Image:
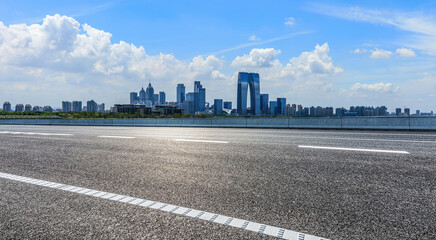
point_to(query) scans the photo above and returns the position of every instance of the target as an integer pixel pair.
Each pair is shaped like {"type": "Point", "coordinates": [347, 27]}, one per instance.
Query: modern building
{"type": "Point", "coordinates": [37, 109]}
{"type": "Point", "coordinates": [19, 108]}
{"type": "Point", "coordinates": [101, 108]}
{"type": "Point", "coordinates": [162, 98]}
{"type": "Point", "coordinates": [142, 96]}
{"type": "Point", "coordinates": [134, 99]}
{"type": "Point", "coordinates": [131, 108]}
{"type": "Point", "coordinates": [77, 106]}
{"type": "Point", "coordinates": [246, 80]}
{"type": "Point", "coordinates": [264, 98]}
{"type": "Point", "coordinates": [188, 107]}
{"type": "Point", "coordinates": [398, 111]}
{"type": "Point", "coordinates": [407, 111]}
{"type": "Point", "coordinates": [180, 93]}
{"type": "Point", "coordinates": [272, 107]}
{"type": "Point", "coordinates": [28, 108]}
{"type": "Point", "coordinates": [91, 106]}
{"type": "Point", "coordinates": [149, 96]}
{"type": "Point", "coordinates": [200, 102]}
{"type": "Point", "coordinates": [218, 106]}
{"type": "Point", "coordinates": [47, 109]}
{"type": "Point", "coordinates": [7, 106]}
{"type": "Point", "coordinates": [66, 106]}
{"type": "Point", "coordinates": [281, 106]}
{"type": "Point", "coordinates": [228, 105]}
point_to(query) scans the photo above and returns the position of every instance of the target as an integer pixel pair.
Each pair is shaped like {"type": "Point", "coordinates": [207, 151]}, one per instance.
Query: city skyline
{"type": "Point", "coordinates": [310, 54]}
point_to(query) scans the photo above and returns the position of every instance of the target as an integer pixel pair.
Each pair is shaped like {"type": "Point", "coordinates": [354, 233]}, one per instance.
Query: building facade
{"type": "Point", "coordinates": [181, 93]}
{"type": "Point", "coordinates": [91, 106]}
{"type": "Point", "coordinates": [66, 106]}
{"type": "Point", "coordinates": [245, 81]}
{"type": "Point", "coordinates": [77, 106]}
{"type": "Point", "coordinates": [7, 106]}
{"type": "Point", "coordinates": [218, 106]}
{"type": "Point", "coordinates": [162, 98]}
{"type": "Point", "coordinates": [281, 106]}
{"type": "Point", "coordinates": [264, 99]}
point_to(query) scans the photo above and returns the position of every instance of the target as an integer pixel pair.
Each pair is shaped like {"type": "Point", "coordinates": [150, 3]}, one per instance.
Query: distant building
{"type": "Point", "coordinates": [244, 81]}
{"type": "Point", "coordinates": [200, 101]}
{"type": "Point", "coordinates": [142, 96]}
{"type": "Point", "coordinates": [162, 98]}
{"type": "Point", "coordinates": [228, 105]}
{"type": "Point", "coordinates": [407, 111]}
{"type": "Point", "coordinates": [167, 110]}
{"type": "Point", "coordinates": [281, 106]}
{"type": "Point", "coordinates": [19, 108]}
{"type": "Point", "coordinates": [101, 108]}
{"type": "Point", "coordinates": [66, 106]}
{"type": "Point", "coordinates": [180, 93]}
{"type": "Point", "coordinates": [37, 109]}
{"type": "Point", "coordinates": [7, 106]}
{"type": "Point", "coordinates": [47, 109]}
{"type": "Point", "coordinates": [77, 106]}
{"type": "Point", "coordinates": [398, 111]}
{"type": "Point", "coordinates": [149, 96]}
{"type": "Point", "coordinates": [134, 99]}
{"type": "Point", "coordinates": [218, 106]}
{"type": "Point", "coordinates": [91, 106]}
{"type": "Point", "coordinates": [84, 109]}
{"type": "Point", "coordinates": [28, 108]}
{"type": "Point", "coordinates": [156, 99]}
{"type": "Point", "coordinates": [131, 108]}
{"type": "Point", "coordinates": [264, 99]}
{"type": "Point", "coordinates": [272, 108]}
{"type": "Point", "coordinates": [188, 107]}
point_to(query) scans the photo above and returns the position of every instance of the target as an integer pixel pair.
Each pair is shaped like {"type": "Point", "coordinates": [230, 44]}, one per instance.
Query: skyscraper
{"type": "Point", "coordinates": [272, 108]}
{"type": "Point", "coordinates": [228, 105]}
{"type": "Point", "coordinates": [180, 93]}
{"type": "Point", "coordinates": [91, 106]}
{"type": "Point", "coordinates": [162, 97]}
{"type": "Point", "coordinates": [264, 99]}
{"type": "Point", "coordinates": [66, 106]}
{"type": "Point", "coordinates": [246, 80]}
{"type": "Point", "coordinates": [101, 108]}
{"type": "Point", "coordinates": [19, 108]}
{"type": "Point", "coordinates": [218, 106]}
{"type": "Point", "coordinates": [149, 96]}
{"type": "Point", "coordinates": [7, 106]}
{"type": "Point", "coordinates": [142, 97]}
{"type": "Point", "coordinates": [77, 106]}
{"type": "Point", "coordinates": [134, 98]}
{"type": "Point", "coordinates": [281, 106]}
{"type": "Point", "coordinates": [200, 102]}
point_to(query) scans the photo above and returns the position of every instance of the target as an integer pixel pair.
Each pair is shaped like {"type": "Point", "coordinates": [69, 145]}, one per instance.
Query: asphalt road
{"type": "Point", "coordinates": [276, 177]}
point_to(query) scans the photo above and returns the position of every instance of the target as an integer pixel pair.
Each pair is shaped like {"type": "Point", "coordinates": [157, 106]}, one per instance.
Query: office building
{"type": "Point", "coordinates": [228, 105]}
{"type": "Point", "coordinates": [398, 111]}
{"type": "Point", "coordinates": [47, 109]}
{"type": "Point", "coordinates": [134, 98]}
{"type": "Point", "coordinates": [200, 102]}
{"type": "Point", "coordinates": [142, 96]}
{"type": "Point", "coordinates": [281, 106]}
{"type": "Point", "coordinates": [162, 98]}
{"type": "Point", "coordinates": [28, 108]}
{"type": "Point", "coordinates": [7, 106]}
{"type": "Point", "coordinates": [37, 109]}
{"type": "Point", "coordinates": [91, 106]}
{"type": "Point", "coordinates": [180, 93]}
{"type": "Point", "coordinates": [407, 111]}
{"type": "Point", "coordinates": [155, 99]}
{"type": "Point", "coordinates": [272, 107]}
{"type": "Point", "coordinates": [101, 108]}
{"type": "Point", "coordinates": [264, 98]}
{"type": "Point", "coordinates": [66, 106]}
{"type": "Point", "coordinates": [149, 96]}
{"type": "Point", "coordinates": [218, 106]}
{"type": "Point", "coordinates": [246, 80]}
{"type": "Point", "coordinates": [77, 106]}
{"type": "Point", "coordinates": [19, 108]}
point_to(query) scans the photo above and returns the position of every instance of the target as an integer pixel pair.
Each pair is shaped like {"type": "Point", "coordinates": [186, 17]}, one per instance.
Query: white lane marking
{"type": "Point", "coordinates": [354, 149]}
{"type": "Point", "coordinates": [124, 137]}
{"type": "Point", "coordinates": [195, 140]}
{"type": "Point", "coordinates": [36, 133]}
{"type": "Point", "coordinates": [207, 216]}
{"type": "Point", "coordinates": [369, 139]}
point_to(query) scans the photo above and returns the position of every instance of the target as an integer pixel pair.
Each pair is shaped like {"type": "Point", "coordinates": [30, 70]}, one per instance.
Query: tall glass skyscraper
{"type": "Point", "coordinates": [162, 97]}
{"type": "Point", "coordinates": [200, 101]}
{"type": "Point", "coordinates": [133, 98]}
{"type": "Point", "coordinates": [281, 106]}
{"type": "Point", "coordinates": [245, 80]}
{"type": "Point", "coordinates": [180, 93]}
{"type": "Point", "coordinates": [149, 95]}
{"type": "Point", "coordinates": [142, 96]}
{"type": "Point", "coordinates": [264, 99]}
{"type": "Point", "coordinates": [218, 106]}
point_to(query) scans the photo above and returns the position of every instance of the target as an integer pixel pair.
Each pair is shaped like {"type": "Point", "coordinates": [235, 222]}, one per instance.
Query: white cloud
{"type": "Point", "coordinates": [290, 21]}
{"type": "Point", "coordinates": [254, 38]}
{"type": "Point", "coordinates": [358, 50]}
{"type": "Point", "coordinates": [380, 53]}
{"type": "Point", "coordinates": [405, 52]}
{"type": "Point", "coordinates": [376, 87]}
{"type": "Point", "coordinates": [318, 61]}
{"type": "Point", "coordinates": [258, 57]}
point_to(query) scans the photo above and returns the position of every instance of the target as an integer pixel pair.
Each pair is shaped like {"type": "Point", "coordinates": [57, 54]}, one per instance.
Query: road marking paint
{"type": "Point", "coordinates": [123, 137]}
{"type": "Point", "coordinates": [370, 139]}
{"type": "Point", "coordinates": [36, 133]}
{"type": "Point", "coordinates": [195, 140]}
{"type": "Point", "coordinates": [354, 149]}
{"type": "Point", "coordinates": [207, 216]}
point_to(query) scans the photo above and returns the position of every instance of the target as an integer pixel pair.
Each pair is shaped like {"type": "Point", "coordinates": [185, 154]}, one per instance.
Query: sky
{"type": "Point", "coordinates": [314, 53]}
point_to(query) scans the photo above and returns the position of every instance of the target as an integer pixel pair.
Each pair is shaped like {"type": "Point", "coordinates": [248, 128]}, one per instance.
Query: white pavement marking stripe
{"type": "Point", "coordinates": [34, 133]}
{"type": "Point", "coordinates": [354, 149]}
{"type": "Point", "coordinates": [125, 137]}
{"type": "Point", "coordinates": [204, 141]}
{"type": "Point", "coordinates": [212, 217]}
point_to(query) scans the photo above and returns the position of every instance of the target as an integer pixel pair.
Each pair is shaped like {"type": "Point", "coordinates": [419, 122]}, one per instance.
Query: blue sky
{"type": "Point", "coordinates": [369, 53]}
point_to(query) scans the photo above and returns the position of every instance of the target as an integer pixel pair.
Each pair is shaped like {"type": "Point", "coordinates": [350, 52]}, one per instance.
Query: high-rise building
{"type": "Point", "coordinates": [156, 99]}
{"type": "Point", "coordinates": [149, 96]}
{"type": "Point", "coordinates": [281, 106]}
{"type": "Point", "coordinates": [28, 108]}
{"type": "Point", "coordinates": [398, 111]}
{"type": "Point", "coordinates": [218, 106]}
{"type": "Point", "coordinates": [37, 108]}
{"type": "Point", "coordinates": [246, 80]}
{"type": "Point", "coordinates": [272, 108]}
{"type": "Point", "coordinates": [19, 108]}
{"type": "Point", "coordinates": [201, 98]}
{"type": "Point", "coordinates": [162, 97]}
{"type": "Point", "coordinates": [7, 106]}
{"type": "Point", "coordinates": [77, 106]}
{"type": "Point", "coordinates": [134, 98]}
{"type": "Point", "coordinates": [407, 111]}
{"type": "Point", "coordinates": [180, 93]}
{"type": "Point", "coordinates": [66, 106]}
{"type": "Point", "coordinates": [228, 105]}
{"type": "Point", "coordinates": [47, 109]}
{"type": "Point", "coordinates": [264, 98]}
{"type": "Point", "coordinates": [142, 96]}
{"type": "Point", "coordinates": [91, 106]}
{"type": "Point", "coordinates": [101, 108]}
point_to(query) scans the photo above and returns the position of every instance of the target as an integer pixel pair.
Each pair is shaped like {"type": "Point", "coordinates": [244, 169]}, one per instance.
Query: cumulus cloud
{"type": "Point", "coordinates": [290, 21]}
{"type": "Point", "coordinates": [258, 57]}
{"type": "Point", "coordinates": [405, 52]}
{"type": "Point", "coordinates": [317, 61]}
{"type": "Point", "coordinates": [376, 87]}
{"type": "Point", "coordinates": [380, 53]}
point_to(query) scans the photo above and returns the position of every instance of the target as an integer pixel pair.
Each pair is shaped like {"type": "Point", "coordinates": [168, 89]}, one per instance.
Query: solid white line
{"type": "Point", "coordinates": [370, 139]}
{"type": "Point", "coordinates": [35, 133]}
{"type": "Point", "coordinates": [124, 137]}
{"type": "Point", "coordinates": [207, 216]}
{"type": "Point", "coordinates": [354, 149]}
{"type": "Point", "coordinates": [195, 140]}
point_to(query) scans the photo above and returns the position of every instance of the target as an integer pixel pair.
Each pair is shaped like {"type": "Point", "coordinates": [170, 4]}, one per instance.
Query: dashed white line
{"type": "Point", "coordinates": [36, 133]}
{"type": "Point", "coordinates": [123, 137]}
{"type": "Point", "coordinates": [207, 216]}
{"type": "Point", "coordinates": [354, 149]}
{"type": "Point", "coordinates": [198, 140]}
